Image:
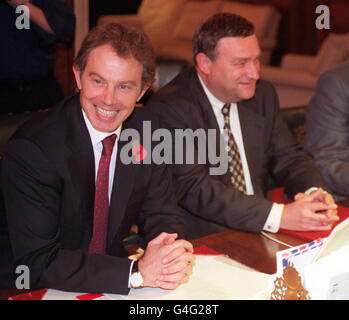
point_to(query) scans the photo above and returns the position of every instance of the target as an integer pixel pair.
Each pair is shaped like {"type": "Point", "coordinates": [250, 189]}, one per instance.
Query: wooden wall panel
{"type": "Point", "coordinates": [64, 57]}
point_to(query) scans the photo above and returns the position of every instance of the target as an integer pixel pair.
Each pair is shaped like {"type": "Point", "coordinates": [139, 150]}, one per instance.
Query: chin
{"type": "Point", "coordinates": [105, 127]}
{"type": "Point", "coordinates": [109, 125]}
{"type": "Point", "coordinates": [248, 95]}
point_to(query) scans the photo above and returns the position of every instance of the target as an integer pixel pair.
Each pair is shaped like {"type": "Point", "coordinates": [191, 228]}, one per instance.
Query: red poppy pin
{"type": "Point", "coordinates": [139, 152]}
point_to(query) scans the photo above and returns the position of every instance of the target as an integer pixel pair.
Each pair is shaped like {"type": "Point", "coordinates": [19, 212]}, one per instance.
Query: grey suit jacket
{"type": "Point", "coordinates": [327, 139]}
{"type": "Point", "coordinates": [208, 202]}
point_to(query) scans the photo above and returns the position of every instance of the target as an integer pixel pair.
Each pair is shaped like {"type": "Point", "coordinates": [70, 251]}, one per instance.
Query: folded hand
{"type": "Point", "coordinates": [167, 262]}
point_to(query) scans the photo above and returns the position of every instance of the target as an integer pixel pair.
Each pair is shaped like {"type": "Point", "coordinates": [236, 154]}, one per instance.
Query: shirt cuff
{"type": "Point", "coordinates": [273, 221]}
{"type": "Point", "coordinates": [313, 189]}
{"type": "Point", "coordinates": [129, 274]}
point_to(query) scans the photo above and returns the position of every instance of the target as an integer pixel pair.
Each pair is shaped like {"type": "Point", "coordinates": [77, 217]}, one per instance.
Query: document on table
{"type": "Point", "coordinates": [213, 278]}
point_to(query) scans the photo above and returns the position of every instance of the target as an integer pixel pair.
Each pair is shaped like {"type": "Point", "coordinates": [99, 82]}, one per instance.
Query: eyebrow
{"type": "Point", "coordinates": [121, 82]}
{"type": "Point", "coordinates": [133, 83]}
{"type": "Point", "coordinates": [95, 74]}
{"type": "Point", "coordinates": [246, 59]}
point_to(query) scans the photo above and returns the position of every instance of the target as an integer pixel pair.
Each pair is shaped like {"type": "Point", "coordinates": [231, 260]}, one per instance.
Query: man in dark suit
{"type": "Point", "coordinates": [327, 128]}
{"type": "Point", "coordinates": [223, 93]}
{"type": "Point", "coordinates": [71, 199]}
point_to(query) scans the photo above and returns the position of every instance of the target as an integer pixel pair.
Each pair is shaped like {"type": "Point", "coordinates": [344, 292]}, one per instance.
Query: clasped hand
{"type": "Point", "coordinates": [166, 262]}
{"type": "Point", "coordinates": [314, 212]}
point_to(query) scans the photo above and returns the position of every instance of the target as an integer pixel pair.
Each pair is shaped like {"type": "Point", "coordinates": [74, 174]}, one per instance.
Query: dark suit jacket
{"type": "Point", "coordinates": [327, 137]}
{"type": "Point", "coordinates": [208, 202]}
{"type": "Point", "coordinates": [48, 182]}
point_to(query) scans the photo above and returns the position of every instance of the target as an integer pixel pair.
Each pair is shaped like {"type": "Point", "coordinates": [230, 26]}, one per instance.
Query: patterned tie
{"type": "Point", "coordinates": [236, 171]}
{"type": "Point", "coordinates": [100, 219]}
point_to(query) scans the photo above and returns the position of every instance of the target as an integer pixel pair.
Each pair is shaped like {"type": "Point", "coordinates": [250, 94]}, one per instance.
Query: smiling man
{"type": "Point", "coordinates": [109, 87]}
{"type": "Point", "coordinates": [70, 201]}
{"type": "Point", "coordinates": [223, 92]}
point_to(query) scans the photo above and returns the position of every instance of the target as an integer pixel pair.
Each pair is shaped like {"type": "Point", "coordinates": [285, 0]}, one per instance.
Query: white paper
{"type": "Point", "coordinates": [213, 278]}
{"type": "Point", "coordinates": [328, 278]}
{"type": "Point", "coordinates": [338, 238]}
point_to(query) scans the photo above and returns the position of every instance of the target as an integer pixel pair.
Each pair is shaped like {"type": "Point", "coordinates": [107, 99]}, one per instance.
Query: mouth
{"type": "Point", "coordinates": [248, 83]}
{"type": "Point", "coordinates": [105, 113]}
{"type": "Point", "coordinates": [248, 86]}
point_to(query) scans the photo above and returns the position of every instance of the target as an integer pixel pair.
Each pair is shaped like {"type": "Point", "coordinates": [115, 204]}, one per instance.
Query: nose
{"type": "Point", "coordinates": [110, 96]}
{"type": "Point", "coordinates": [253, 69]}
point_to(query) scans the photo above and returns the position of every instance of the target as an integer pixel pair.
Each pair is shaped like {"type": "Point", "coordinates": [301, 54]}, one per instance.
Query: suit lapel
{"type": "Point", "coordinates": [81, 162]}
{"type": "Point", "coordinates": [81, 166]}
{"type": "Point", "coordinates": [208, 116]}
{"type": "Point", "coordinates": [124, 179]}
{"type": "Point", "coordinates": [209, 120]}
{"type": "Point", "coordinates": [252, 129]}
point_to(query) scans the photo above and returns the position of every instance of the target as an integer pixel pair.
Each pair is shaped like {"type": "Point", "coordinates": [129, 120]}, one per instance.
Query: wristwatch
{"type": "Point", "coordinates": [136, 279]}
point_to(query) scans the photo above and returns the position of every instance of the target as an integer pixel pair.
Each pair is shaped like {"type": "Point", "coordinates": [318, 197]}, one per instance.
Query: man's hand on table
{"type": "Point", "coordinates": [166, 262]}
{"type": "Point", "coordinates": [314, 212]}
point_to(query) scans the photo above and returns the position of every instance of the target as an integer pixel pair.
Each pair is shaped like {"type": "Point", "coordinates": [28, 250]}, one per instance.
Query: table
{"type": "Point", "coordinates": [253, 250]}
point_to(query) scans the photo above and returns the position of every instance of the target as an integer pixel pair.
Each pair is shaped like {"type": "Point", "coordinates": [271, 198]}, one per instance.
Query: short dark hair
{"type": "Point", "coordinates": [126, 41]}
{"type": "Point", "coordinates": [216, 27]}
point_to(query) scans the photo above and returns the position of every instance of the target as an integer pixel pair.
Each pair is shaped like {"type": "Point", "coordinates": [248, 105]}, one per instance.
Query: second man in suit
{"type": "Point", "coordinates": [223, 93]}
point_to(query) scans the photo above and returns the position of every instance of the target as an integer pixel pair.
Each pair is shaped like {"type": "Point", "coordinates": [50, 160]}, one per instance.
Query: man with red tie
{"type": "Point", "coordinates": [71, 200]}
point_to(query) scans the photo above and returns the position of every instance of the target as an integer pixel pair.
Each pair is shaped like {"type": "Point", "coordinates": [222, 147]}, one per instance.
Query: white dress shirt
{"type": "Point", "coordinates": [272, 223]}
{"type": "Point", "coordinates": [96, 139]}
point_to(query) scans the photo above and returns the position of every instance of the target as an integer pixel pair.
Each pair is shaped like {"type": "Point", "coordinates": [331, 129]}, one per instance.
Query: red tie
{"type": "Point", "coordinates": [100, 219]}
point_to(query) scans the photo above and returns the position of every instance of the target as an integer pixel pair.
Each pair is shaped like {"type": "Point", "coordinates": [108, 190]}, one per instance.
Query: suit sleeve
{"type": "Point", "coordinates": [289, 164]}
{"type": "Point", "coordinates": [204, 195]}
{"type": "Point", "coordinates": [327, 138]}
{"type": "Point", "coordinates": [32, 191]}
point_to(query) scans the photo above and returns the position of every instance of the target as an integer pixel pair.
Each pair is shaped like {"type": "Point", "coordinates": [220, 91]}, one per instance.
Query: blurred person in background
{"type": "Point", "coordinates": [27, 79]}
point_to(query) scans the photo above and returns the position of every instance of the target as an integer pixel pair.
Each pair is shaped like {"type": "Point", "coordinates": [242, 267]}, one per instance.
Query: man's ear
{"type": "Point", "coordinates": [77, 75]}
{"type": "Point", "coordinates": [203, 63]}
{"type": "Point", "coordinates": [144, 90]}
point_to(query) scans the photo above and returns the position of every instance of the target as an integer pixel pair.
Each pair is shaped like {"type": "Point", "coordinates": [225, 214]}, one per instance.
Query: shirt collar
{"type": "Point", "coordinates": [217, 104]}
{"type": "Point", "coordinates": [98, 136]}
